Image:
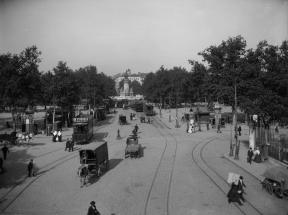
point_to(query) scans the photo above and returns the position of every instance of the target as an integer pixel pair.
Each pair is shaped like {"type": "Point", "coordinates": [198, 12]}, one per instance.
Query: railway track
{"type": "Point", "coordinates": [159, 191]}
{"type": "Point", "coordinates": [219, 181]}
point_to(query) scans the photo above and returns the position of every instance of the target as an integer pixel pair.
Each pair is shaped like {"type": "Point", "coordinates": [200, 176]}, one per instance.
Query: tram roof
{"type": "Point", "coordinates": [92, 145]}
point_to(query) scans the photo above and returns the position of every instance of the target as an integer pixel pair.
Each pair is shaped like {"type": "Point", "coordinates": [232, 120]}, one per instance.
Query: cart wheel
{"type": "Point", "coordinates": [269, 189]}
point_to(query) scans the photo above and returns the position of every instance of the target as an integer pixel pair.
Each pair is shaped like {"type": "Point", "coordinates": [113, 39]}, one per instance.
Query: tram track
{"type": "Point", "coordinates": [4, 205]}
{"type": "Point", "coordinates": [218, 180]}
{"type": "Point", "coordinates": [166, 168]}
{"type": "Point", "coordinates": [40, 173]}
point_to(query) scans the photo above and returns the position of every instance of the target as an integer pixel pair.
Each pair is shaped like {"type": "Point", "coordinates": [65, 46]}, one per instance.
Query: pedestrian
{"type": "Point", "coordinates": [30, 136]}
{"type": "Point", "coordinates": [207, 125]}
{"type": "Point", "coordinates": [131, 116]}
{"type": "Point", "coordinates": [30, 168]}
{"type": "Point", "coordinates": [1, 165]}
{"type": "Point", "coordinates": [59, 135]}
{"type": "Point", "coordinates": [118, 134]}
{"type": "Point", "coordinates": [233, 195]}
{"type": "Point", "coordinates": [71, 146]}
{"type": "Point", "coordinates": [54, 136]}
{"type": "Point", "coordinates": [257, 155]}
{"type": "Point", "coordinates": [83, 173]}
{"type": "Point", "coordinates": [239, 130]}
{"type": "Point", "coordinates": [136, 128]}
{"type": "Point", "coordinates": [5, 151]}
{"type": "Point", "coordinates": [92, 210]}
{"type": "Point", "coordinates": [241, 186]}
{"type": "Point", "coordinates": [67, 145]}
{"type": "Point", "coordinates": [218, 128]}
{"type": "Point", "coordinates": [250, 155]}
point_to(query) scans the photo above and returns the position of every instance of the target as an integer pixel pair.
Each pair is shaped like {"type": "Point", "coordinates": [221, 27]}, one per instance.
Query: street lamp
{"type": "Point", "coordinates": [237, 142]}
{"type": "Point", "coordinates": [160, 106]}
{"type": "Point", "coordinates": [169, 108]}
{"type": "Point", "coordinates": [177, 121]}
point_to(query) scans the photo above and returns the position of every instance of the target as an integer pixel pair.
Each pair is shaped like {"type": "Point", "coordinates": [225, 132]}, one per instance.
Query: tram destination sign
{"type": "Point", "coordinates": [80, 119]}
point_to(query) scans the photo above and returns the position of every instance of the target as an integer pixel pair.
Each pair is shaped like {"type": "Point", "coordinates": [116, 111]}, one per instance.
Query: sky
{"type": "Point", "coordinates": [141, 35]}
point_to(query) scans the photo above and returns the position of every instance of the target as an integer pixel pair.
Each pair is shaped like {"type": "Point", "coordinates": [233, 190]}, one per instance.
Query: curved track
{"type": "Point", "coordinates": [17, 190]}
{"type": "Point", "coordinates": [197, 156]}
{"type": "Point", "coordinates": [159, 191]}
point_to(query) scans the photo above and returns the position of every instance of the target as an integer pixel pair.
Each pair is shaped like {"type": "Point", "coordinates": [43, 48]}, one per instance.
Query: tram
{"type": "Point", "coordinates": [149, 110]}
{"type": "Point", "coordinates": [82, 129]}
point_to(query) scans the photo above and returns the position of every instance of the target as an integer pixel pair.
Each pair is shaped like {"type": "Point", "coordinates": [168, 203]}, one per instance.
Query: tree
{"type": "Point", "coordinates": [47, 88]}
{"type": "Point", "coordinates": [137, 88]}
{"type": "Point", "coordinates": [66, 88]}
{"type": "Point", "coordinates": [224, 63]}
{"type": "Point", "coordinates": [29, 75]}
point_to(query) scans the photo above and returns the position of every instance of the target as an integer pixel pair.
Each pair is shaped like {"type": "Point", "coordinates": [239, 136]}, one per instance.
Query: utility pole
{"type": "Point", "coordinates": [169, 108]}
{"type": "Point", "coordinates": [237, 142]}
{"type": "Point", "coordinates": [160, 106]}
{"type": "Point", "coordinates": [53, 118]}
{"type": "Point", "coordinates": [177, 121]}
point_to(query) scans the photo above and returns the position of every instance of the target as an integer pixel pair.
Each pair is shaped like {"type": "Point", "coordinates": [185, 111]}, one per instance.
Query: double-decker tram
{"type": "Point", "coordinates": [82, 129]}
{"type": "Point", "coordinates": [149, 110]}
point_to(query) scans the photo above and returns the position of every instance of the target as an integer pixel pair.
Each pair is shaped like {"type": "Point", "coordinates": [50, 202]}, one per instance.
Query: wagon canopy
{"type": "Point", "coordinates": [277, 174]}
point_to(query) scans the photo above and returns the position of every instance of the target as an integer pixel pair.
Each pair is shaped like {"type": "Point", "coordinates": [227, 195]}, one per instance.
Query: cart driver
{"type": "Point", "coordinates": [83, 173]}
{"type": "Point", "coordinates": [84, 157]}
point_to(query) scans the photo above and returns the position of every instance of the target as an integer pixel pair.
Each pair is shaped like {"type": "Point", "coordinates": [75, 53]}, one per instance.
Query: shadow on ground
{"type": "Point", "coordinates": [112, 164]}
{"type": "Point", "coordinates": [15, 167]}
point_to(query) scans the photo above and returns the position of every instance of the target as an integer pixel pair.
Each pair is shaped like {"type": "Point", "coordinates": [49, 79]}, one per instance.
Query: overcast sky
{"type": "Point", "coordinates": [141, 35]}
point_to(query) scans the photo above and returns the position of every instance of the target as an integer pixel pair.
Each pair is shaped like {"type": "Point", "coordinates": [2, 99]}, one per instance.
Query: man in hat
{"type": "Point", "coordinates": [92, 210]}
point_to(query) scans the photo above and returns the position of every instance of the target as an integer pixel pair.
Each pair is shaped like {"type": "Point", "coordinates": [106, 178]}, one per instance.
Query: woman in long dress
{"type": "Point", "coordinates": [233, 195]}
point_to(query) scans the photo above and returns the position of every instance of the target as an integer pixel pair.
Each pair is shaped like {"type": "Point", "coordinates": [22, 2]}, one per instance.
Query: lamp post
{"type": "Point", "coordinates": [169, 108]}
{"type": "Point", "coordinates": [237, 142]}
{"type": "Point", "coordinates": [160, 106]}
{"type": "Point", "coordinates": [177, 121]}
{"type": "Point", "coordinates": [217, 110]}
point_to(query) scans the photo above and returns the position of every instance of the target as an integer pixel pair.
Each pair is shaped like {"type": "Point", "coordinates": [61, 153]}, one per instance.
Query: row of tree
{"type": "Point", "coordinates": [259, 77]}
{"type": "Point", "coordinates": [23, 85]}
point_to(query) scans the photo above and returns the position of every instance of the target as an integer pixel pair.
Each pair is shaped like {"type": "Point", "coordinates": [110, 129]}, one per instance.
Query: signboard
{"type": "Point", "coordinates": [80, 107]}
{"type": "Point", "coordinates": [233, 178]}
{"type": "Point", "coordinates": [80, 119]}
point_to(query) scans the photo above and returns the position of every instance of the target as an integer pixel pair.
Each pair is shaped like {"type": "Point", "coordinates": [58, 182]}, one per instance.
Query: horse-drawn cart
{"type": "Point", "coordinates": [133, 148]}
{"type": "Point", "coordinates": [276, 181]}
{"type": "Point", "coordinates": [95, 156]}
{"type": "Point", "coordinates": [122, 120]}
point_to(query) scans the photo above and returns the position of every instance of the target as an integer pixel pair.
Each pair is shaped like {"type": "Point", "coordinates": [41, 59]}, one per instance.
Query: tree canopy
{"type": "Point", "coordinates": [23, 85]}
{"type": "Point", "coordinates": [258, 76]}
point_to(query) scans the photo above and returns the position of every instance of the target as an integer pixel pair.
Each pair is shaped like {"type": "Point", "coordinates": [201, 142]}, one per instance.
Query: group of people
{"type": "Point", "coordinates": [191, 127]}
{"type": "Point", "coordinates": [236, 191]}
{"type": "Point", "coordinates": [26, 137]}
{"type": "Point", "coordinates": [5, 151]}
{"type": "Point", "coordinates": [57, 136]}
{"type": "Point", "coordinates": [254, 155]}
{"type": "Point", "coordinates": [132, 116]}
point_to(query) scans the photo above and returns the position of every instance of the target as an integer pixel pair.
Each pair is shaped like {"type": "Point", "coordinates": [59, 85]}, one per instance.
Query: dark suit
{"type": "Point", "coordinates": [249, 156]}
{"type": "Point", "coordinates": [93, 211]}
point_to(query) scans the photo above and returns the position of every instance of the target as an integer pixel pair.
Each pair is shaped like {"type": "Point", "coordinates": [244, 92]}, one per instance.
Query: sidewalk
{"type": "Point", "coordinates": [19, 155]}
{"type": "Point", "coordinates": [255, 169]}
